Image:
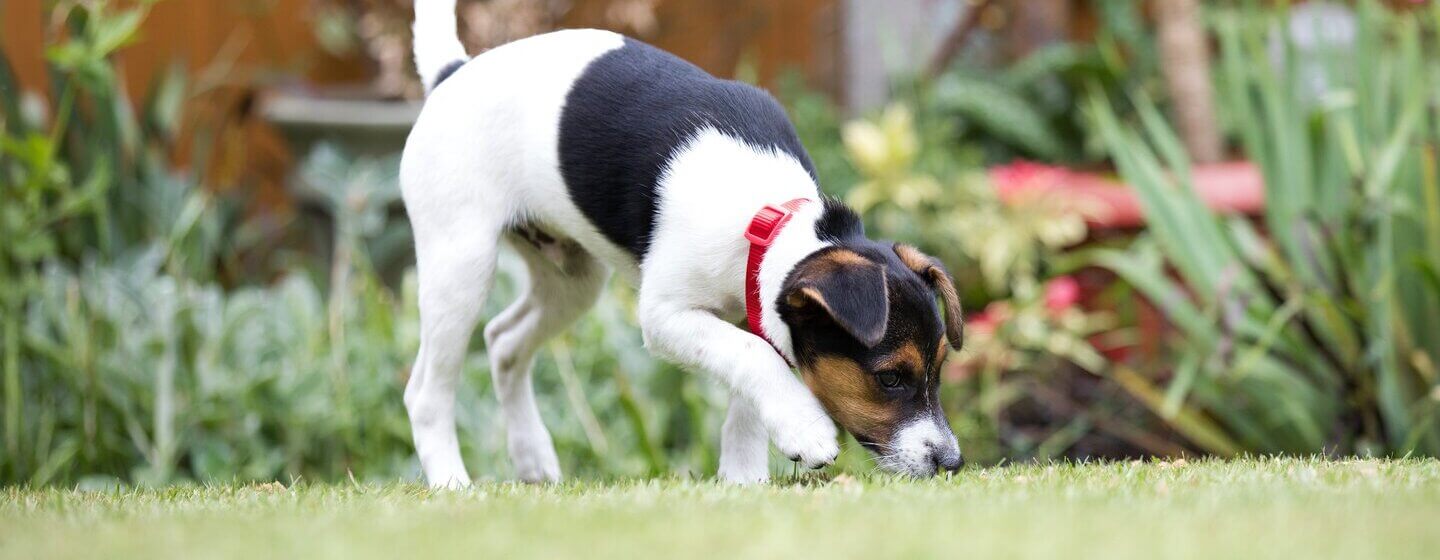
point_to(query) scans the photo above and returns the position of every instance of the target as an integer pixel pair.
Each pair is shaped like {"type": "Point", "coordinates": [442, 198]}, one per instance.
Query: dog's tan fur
{"type": "Point", "coordinates": [926, 266]}
{"type": "Point", "coordinates": [851, 396]}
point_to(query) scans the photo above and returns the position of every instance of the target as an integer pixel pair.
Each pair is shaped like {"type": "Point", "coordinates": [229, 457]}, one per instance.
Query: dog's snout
{"type": "Point", "coordinates": [946, 458]}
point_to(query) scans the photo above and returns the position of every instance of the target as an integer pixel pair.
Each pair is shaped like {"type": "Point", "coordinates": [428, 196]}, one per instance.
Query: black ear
{"type": "Point", "coordinates": [934, 273]}
{"type": "Point", "coordinates": [849, 288]}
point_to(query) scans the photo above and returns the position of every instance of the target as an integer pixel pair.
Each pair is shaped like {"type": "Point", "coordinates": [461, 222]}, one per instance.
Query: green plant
{"type": "Point", "coordinates": [91, 181]}
{"type": "Point", "coordinates": [1321, 337]}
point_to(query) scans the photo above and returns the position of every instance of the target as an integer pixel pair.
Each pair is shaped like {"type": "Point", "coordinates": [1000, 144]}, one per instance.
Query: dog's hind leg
{"type": "Point", "coordinates": [564, 282]}
{"type": "Point", "coordinates": [455, 274]}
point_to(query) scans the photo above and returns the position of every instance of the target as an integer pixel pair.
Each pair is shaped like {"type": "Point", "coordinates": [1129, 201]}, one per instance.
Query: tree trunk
{"type": "Point", "coordinates": [1036, 23]}
{"type": "Point", "coordinates": [1185, 62]}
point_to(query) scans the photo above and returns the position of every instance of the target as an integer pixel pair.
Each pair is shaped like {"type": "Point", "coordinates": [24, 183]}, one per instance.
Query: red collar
{"type": "Point", "coordinates": [763, 229]}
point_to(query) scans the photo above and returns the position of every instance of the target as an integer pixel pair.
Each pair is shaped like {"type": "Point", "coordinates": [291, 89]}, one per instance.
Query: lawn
{"type": "Point", "coordinates": [1200, 509]}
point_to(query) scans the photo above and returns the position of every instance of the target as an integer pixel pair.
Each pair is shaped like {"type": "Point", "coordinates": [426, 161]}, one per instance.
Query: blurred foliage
{"type": "Point", "coordinates": [1027, 109]}
{"type": "Point", "coordinates": [1318, 336]}
{"type": "Point", "coordinates": [87, 176]}
{"type": "Point", "coordinates": [124, 358]}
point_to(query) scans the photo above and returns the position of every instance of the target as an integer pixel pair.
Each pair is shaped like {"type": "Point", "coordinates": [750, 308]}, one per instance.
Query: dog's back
{"type": "Point", "coordinates": [631, 111]}
{"type": "Point", "coordinates": [575, 131]}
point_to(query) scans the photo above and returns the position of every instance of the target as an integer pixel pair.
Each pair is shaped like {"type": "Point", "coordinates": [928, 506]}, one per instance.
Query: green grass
{"type": "Point", "coordinates": [1203, 509]}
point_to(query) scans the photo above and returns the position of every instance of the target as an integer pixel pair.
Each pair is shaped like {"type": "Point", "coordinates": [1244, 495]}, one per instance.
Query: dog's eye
{"type": "Point", "coordinates": [889, 378]}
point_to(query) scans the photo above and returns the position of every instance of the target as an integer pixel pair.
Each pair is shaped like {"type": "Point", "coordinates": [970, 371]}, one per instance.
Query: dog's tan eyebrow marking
{"type": "Point", "coordinates": [832, 261]}
{"type": "Point", "coordinates": [846, 257]}
{"type": "Point", "coordinates": [907, 358]}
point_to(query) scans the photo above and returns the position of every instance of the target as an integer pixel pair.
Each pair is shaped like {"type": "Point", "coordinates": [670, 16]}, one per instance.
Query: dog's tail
{"type": "Point", "coordinates": [438, 51]}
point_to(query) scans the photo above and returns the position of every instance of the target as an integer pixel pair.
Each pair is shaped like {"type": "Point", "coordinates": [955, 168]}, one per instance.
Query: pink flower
{"type": "Point", "coordinates": [1062, 293]}
{"type": "Point", "coordinates": [990, 319]}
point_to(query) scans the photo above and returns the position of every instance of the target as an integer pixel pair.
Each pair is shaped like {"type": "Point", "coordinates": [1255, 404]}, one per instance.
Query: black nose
{"type": "Point", "coordinates": [946, 459]}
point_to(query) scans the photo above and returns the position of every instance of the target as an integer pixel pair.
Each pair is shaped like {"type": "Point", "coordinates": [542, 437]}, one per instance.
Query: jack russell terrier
{"type": "Point", "coordinates": [588, 152]}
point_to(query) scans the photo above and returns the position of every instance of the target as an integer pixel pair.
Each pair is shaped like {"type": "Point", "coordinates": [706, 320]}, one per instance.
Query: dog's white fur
{"type": "Point", "coordinates": [437, 41]}
{"type": "Point", "coordinates": [911, 449]}
{"type": "Point", "coordinates": [483, 157]}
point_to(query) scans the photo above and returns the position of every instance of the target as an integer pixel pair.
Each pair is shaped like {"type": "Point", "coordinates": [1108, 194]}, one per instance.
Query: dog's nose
{"type": "Point", "coordinates": [946, 458]}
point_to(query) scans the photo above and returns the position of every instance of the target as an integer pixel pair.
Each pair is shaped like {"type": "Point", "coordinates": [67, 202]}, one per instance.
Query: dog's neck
{"type": "Point", "coordinates": [797, 240]}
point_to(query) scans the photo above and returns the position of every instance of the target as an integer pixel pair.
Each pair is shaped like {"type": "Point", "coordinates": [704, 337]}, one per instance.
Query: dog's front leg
{"type": "Point", "coordinates": [745, 363]}
{"type": "Point", "coordinates": [744, 449]}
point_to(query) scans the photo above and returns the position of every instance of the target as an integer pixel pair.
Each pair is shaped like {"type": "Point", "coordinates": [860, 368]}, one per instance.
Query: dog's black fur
{"type": "Point", "coordinates": [630, 111]}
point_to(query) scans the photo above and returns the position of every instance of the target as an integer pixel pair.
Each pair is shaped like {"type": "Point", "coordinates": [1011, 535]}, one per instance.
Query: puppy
{"type": "Point", "coordinates": [588, 152]}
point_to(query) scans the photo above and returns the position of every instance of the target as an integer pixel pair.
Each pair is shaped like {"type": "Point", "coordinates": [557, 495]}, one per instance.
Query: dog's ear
{"type": "Point", "coordinates": [933, 272]}
{"type": "Point", "coordinates": [847, 287]}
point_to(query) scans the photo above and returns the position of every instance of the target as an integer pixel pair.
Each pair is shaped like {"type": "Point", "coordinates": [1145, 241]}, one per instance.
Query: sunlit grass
{"type": "Point", "coordinates": [1211, 509]}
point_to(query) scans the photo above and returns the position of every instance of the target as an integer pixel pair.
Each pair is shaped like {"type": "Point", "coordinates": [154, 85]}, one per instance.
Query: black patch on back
{"type": "Point", "coordinates": [628, 114]}
{"type": "Point", "coordinates": [446, 71]}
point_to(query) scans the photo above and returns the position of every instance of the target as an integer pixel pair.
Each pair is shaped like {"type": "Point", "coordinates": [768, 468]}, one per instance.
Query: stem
{"type": "Point", "coordinates": [340, 269]}
{"type": "Point", "coordinates": [13, 401]}
{"type": "Point", "coordinates": [631, 405]}
{"type": "Point", "coordinates": [163, 452]}
{"type": "Point", "coordinates": [575, 393]}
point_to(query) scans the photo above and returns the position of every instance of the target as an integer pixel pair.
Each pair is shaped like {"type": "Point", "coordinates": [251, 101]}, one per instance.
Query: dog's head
{"type": "Point", "coordinates": [870, 339]}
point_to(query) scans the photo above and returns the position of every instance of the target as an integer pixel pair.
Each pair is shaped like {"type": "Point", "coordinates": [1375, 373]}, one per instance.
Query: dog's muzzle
{"type": "Point", "coordinates": [922, 448]}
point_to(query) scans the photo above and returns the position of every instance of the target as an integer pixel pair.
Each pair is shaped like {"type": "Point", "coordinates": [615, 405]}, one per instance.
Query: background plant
{"type": "Point", "coordinates": [1319, 338]}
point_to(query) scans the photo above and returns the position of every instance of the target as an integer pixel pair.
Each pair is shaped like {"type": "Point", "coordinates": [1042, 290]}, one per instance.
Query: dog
{"type": "Point", "coordinates": [588, 153]}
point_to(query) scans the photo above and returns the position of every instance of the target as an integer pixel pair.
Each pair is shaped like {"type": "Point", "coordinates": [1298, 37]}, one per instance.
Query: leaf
{"type": "Point", "coordinates": [10, 93]}
{"type": "Point", "coordinates": [112, 32]}
{"type": "Point", "coordinates": [165, 102]}
{"type": "Point", "coordinates": [1000, 111]}
{"type": "Point", "coordinates": [1186, 420]}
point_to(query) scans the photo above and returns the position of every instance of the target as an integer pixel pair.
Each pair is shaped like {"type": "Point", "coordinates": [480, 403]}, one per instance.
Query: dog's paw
{"type": "Point", "coordinates": [804, 434]}
{"type": "Point", "coordinates": [534, 460]}
{"type": "Point", "coordinates": [745, 468]}
{"type": "Point", "coordinates": [454, 482]}
{"type": "Point", "coordinates": [744, 475]}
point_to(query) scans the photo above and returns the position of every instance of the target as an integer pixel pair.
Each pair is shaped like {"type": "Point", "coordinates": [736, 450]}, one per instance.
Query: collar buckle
{"type": "Point", "coordinates": [767, 223]}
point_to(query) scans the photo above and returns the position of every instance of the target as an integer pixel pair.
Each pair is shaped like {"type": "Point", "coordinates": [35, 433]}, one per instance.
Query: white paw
{"type": "Point", "coordinates": [444, 473]}
{"type": "Point", "coordinates": [745, 471]}
{"type": "Point", "coordinates": [803, 432]}
{"type": "Point", "coordinates": [459, 482]}
{"type": "Point", "coordinates": [534, 459]}
{"type": "Point", "coordinates": [744, 477]}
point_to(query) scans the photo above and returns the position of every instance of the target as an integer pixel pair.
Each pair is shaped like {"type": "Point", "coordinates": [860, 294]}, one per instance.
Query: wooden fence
{"type": "Point", "coordinates": [273, 39]}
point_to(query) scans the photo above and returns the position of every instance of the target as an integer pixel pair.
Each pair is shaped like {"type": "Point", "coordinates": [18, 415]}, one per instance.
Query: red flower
{"type": "Point", "coordinates": [1022, 176]}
